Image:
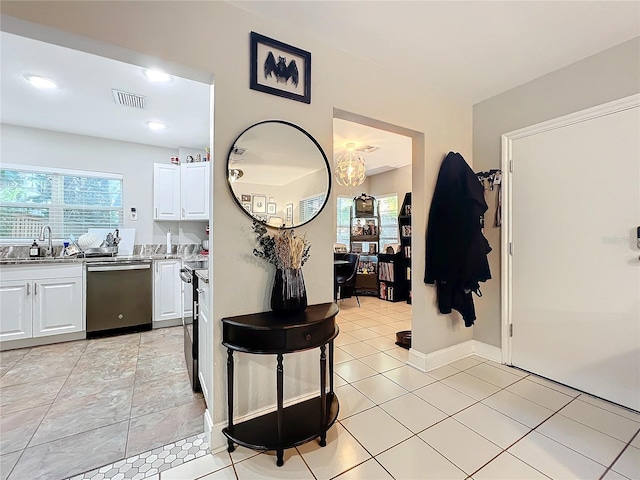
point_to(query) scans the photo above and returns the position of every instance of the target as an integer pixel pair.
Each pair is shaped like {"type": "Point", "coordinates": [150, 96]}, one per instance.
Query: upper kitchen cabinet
{"type": "Point", "coordinates": [181, 192]}
{"type": "Point", "coordinates": [166, 191]}
{"type": "Point", "coordinates": [194, 185]}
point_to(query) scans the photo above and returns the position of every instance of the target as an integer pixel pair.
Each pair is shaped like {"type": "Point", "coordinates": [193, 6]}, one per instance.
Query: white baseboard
{"type": "Point", "coordinates": [448, 355]}
{"type": "Point", "coordinates": [490, 352]}
{"type": "Point", "coordinates": [440, 358]}
{"type": "Point", "coordinates": [208, 428]}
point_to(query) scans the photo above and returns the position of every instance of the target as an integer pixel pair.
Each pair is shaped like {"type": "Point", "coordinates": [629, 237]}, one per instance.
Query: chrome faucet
{"type": "Point", "coordinates": [41, 239]}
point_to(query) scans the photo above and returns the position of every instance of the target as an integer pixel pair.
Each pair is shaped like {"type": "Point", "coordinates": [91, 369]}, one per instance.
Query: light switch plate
{"type": "Point", "coordinates": [133, 214]}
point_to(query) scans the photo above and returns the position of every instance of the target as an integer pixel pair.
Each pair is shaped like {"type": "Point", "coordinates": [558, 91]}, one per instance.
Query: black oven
{"type": "Point", "coordinates": [190, 322]}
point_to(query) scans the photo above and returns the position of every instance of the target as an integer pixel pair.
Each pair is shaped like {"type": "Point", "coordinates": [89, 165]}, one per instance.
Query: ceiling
{"type": "Point", "coordinates": [471, 50]}
{"type": "Point", "coordinates": [84, 104]}
{"type": "Point", "coordinates": [468, 49]}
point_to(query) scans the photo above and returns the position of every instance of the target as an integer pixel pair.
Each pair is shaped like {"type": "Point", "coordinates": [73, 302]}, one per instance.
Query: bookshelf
{"type": "Point", "coordinates": [365, 240]}
{"type": "Point", "coordinates": [391, 282]}
{"type": "Point", "coordinates": [404, 224]}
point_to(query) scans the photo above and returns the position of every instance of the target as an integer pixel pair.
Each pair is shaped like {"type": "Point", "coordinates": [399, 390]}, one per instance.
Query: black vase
{"type": "Point", "coordinates": [289, 294]}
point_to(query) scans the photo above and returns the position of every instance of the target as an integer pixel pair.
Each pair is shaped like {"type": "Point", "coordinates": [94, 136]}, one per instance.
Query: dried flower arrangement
{"type": "Point", "coordinates": [284, 249]}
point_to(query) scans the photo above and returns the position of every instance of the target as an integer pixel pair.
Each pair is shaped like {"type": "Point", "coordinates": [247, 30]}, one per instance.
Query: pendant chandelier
{"type": "Point", "coordinates": [349, 168]}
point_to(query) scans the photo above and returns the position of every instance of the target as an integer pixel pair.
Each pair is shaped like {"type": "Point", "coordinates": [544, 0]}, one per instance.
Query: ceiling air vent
{"type": "Point", "coordinates": [129, 99]}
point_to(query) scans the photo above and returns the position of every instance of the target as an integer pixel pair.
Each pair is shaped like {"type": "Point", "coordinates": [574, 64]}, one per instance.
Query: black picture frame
{"type": "Point", "coordinates": [268, 82]}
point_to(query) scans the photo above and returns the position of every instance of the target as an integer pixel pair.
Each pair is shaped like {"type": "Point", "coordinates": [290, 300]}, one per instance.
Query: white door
{"type": "Point", "coordinates": [194, 184]}
{"type": "Point", "coordinates": [167, 290]}
{"type": "Point", "coordinates": [575, 271]}
{"type": "Point", "coordinates": [166, 191]}
{"type": "Point", "coordinates": [15, 310]}
{"type": "Point", "coordinates": [57, 306]}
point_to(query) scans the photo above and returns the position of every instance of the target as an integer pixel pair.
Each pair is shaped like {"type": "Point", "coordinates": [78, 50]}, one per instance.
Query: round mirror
{"type": "Point", "coordinates": [278, 174]}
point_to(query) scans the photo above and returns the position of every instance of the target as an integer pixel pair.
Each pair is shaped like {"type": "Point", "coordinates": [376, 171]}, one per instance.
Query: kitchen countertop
{"type": "Point", "coordinates": [124, 258]}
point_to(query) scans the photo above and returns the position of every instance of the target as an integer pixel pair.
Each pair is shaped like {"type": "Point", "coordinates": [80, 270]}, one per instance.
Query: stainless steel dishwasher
{"type": "Point", "coordinates": [119, 297]}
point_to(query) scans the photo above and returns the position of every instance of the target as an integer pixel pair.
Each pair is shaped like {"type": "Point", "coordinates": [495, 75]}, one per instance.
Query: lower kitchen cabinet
{"type": "Point", "coordinates": [40, 301]}
{"type": "Point", "coordinates": [167, 290]}
{"type": "Point", "coordinates": [205, 340]}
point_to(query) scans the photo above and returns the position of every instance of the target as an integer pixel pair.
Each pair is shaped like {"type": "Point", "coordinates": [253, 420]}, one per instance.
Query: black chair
{"type": "Point", "coordinates": [345, 277]}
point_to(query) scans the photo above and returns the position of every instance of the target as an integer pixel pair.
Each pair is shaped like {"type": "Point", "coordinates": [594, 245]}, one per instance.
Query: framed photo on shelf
{"type": "Point", "coordinates": [245, 198]}
{"type": "Point", "coordinates": [280, 69]}
{"type": "Point", "coordinates": [247, 205]}
{"type": "Point", "coordinates": [259, 204]}
{"type": "Point", "coordinates": [271, 208]}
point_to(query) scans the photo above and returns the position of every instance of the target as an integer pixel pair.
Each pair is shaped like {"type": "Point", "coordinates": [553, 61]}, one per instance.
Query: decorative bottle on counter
{"type": "Point", "coordinates": [34, 250]}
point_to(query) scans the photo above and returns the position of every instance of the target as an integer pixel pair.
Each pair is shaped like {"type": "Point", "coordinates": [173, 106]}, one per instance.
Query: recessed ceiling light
{"type": "Point", "coordinates": [41, 82]}
{"type": "Point", "coordinates": [156, 125]}
{"type": "Point", "coordinates": [157, 75]}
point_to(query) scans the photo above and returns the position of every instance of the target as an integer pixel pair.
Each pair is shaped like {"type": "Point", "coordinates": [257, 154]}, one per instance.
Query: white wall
{"type": "Point", "coordinates": [394, 181]}
{"type": "Point", "coordinates": [215, 38]}
{"type": "Point", "coordinates": [606, 76]}
{"type": "Point", "coordinates": [31, 146]}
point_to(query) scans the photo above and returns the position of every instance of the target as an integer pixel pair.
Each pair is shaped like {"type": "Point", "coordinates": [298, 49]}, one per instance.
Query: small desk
{"type": "Point", "coordinates": [272, 333]}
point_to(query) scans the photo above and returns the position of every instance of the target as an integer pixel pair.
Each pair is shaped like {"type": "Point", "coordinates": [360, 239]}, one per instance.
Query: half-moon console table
{"type": "Point", "coordinates": [277, 334]}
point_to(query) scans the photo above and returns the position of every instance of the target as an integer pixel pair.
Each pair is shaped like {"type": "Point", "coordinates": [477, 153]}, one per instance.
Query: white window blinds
{"type": "Point", "coordinates": [343, 218]}
{"type": "Point", "coordinates": [69, 201]}
{"type": "Point", "coordinates": [310, 206]}
{"type": "Point", "coordinates": [388, 211]}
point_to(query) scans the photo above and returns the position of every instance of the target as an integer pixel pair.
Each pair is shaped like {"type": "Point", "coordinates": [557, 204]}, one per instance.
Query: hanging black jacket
{"type": "Point", "coordinates": [456, 255]}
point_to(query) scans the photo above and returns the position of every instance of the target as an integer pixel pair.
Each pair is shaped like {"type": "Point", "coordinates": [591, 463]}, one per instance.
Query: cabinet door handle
{"type": "Point", "coordinates": [156, 212]}
{"type": "Point", "coordinates": [183, 214]}
{"type": "Point", "coordinates": [35, 288]}
{"type": "Point", "coordinates": [28, 289]}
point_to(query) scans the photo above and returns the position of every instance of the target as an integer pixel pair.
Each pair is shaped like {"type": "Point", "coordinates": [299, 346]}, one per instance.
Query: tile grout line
{"type": "Point", "coordinates": [610, 467]}
{"type": "Point", "coordinates": [133, 391]}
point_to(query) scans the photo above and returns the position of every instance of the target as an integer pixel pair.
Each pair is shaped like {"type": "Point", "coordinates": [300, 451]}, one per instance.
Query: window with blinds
{"type": "Point", "coordinates": [343, 216]}
{"type": "Point", "coordinates": [69, 201]}
{"type": "Point", "coordinates": [388, 211]}
{"type": "Point", "coordinates": [310, 206]}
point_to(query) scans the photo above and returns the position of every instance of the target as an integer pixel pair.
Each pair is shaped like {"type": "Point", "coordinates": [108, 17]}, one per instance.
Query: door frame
{"type": "Point", "coordinates": [506, 284]}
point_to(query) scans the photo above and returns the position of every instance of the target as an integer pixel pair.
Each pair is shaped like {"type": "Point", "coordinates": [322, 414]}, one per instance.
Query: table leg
{"type": "Point", "coordinates": [280, 387]}
{"type": "Point", "coordinates": [323, 395]}
{"type": "Point", "coordinates": [331, 367]}
{"type": "Point", "coordinates": [230, 446]}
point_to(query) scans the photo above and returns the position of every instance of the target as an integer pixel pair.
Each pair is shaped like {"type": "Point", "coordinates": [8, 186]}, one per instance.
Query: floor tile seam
{"type": "Point", "coordinates": [430, 446]}
{"type": "Point", "coordinates": [505, 452]}
{"type": "Point", "coordinates": [305, 462]}
{"type": "Point", "coordinates": [596, 429]}
{"type": "Point", "coordinates": [609, 411]}
{"type": "Point", "coordinates": [500, 370]}
{"type": "Point", "coordinates": [133, 387]}
{"type": "Point", "coordinates": [610, 467]}
{"type": "Point", "coordinates": [371, 455]}
{"type": "Point", "coordinates": [164, 409]}
{"type": "Point", "coordinates": [16, 464]}
{"type": "Point", "coordinates": [51, 405]}
{"type": "Point", "coordinates": [570, 448]}
{"type": "Point", "coordinates": [2, 387]}
{"type": "Point", "coordinates": [535, 429]}
{"type": "Point", "coordinates": [73, 435]}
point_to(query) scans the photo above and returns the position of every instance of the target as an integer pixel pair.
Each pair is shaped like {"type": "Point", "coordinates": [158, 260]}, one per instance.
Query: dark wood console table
{"type": "Point", "coordinates": [276, 334]}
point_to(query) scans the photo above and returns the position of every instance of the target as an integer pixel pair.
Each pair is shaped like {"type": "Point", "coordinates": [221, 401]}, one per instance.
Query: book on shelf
{"type": "Point", "coordinates": [386, 272]}
{"type": "Point", "coordinates": [373, 248]}
{"type": "Point", "coordinates": [407, 251]}
{"type": "Point", "coordinates": [407, 209]}
{"type": "Point", "coordinates": [405, 230]}
{"type": "Point", "coordinates": [356, 248]}
{"type": "Point", "coordinates": [408, 273]}
{"type": "Point", "coordinates": [366, 267]}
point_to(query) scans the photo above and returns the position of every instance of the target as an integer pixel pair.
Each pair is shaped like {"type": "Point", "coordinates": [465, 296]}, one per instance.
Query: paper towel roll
{"type": "Point", "coordinates": [169, 241]}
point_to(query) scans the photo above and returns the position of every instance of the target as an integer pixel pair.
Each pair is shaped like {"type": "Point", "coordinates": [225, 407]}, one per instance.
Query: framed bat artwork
{"type": "Point", "coordinates": [280, 69]}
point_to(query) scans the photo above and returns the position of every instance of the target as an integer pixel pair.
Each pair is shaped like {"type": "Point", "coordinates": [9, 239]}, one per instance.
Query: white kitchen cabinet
{"type": "Point", "coordinates": [15, 310]}
{"type": "Point", "coordinates": [181, 192]}
{"type": "Point", "coordinates": [166, 192]}
{"type": "Point", "coordinates": [39, 301]}
{"type": "Point", "coordinates": [194, 187]}
{"type": "Point", "coordinates": [205, 341]}
{"type": "Point", "coordinates": [167, 290]}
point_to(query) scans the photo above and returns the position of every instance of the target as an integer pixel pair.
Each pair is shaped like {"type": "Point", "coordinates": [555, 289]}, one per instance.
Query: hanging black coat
{"type": "Point", "coordinates": [456, 256]}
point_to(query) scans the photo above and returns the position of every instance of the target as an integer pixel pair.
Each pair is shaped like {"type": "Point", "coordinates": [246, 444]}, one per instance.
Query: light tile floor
{"type": "Point", "coordinates": [471, 419]}
{"type": "Point", "coordinates": [72, 407]}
